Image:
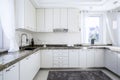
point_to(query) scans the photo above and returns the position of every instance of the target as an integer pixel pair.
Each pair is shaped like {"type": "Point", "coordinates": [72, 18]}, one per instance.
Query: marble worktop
{"type": "Point", "coordinates": [7, 59]}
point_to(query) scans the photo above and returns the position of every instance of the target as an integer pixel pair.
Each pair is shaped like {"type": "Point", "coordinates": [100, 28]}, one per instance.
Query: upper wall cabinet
{"type": "Point", "coordinates": [25, 15]}
{"type": "Point", "coordinates": [64, 18]}
{"type": "Point", "coordinates": [73, 20]}
{"type": "Point", "coordinates": [40, 20]}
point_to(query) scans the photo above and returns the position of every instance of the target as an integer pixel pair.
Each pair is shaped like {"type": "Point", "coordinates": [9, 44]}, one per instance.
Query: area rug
{"type": "Point", "coordinates": [77, 75]}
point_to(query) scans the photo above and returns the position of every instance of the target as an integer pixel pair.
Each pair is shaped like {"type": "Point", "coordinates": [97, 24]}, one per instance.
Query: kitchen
{"type": "Point", "coordinates": [59, 40]}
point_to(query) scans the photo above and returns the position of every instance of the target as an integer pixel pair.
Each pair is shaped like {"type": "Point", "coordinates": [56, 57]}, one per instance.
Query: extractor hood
{"type": "Point", "coordinates": [60, 30]}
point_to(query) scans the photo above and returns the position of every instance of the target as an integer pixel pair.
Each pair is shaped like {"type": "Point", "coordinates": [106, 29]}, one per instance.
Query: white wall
{"type": "Point", "coordinates": [57, 38]}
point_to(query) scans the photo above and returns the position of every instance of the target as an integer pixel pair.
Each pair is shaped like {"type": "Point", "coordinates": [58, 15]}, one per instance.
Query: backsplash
{"type": "Point", "coordinates": [57, 38]}
{"type": "Point", "coordinates": [18, 38]}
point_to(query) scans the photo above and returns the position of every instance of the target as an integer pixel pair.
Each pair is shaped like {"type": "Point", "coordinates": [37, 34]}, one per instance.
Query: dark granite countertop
{"type": "Point", "coordinates": [7, 59]}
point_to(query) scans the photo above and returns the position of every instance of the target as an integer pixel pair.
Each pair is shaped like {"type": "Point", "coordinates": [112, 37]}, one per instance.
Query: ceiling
{"type": "Point", "coordinates": [90, 5]}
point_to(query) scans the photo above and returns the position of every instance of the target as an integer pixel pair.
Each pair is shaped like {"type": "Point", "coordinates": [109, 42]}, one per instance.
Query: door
{"type": "Point", "coordinates": [73, 20]}
{"type": "Point", "coordinates": [1, 75]}
{"type": "Point", "coordinates": [46, 58]}
{"type": "Point", "coordinates": [26, 69]}
{"type": "Point", "coordinates": [12, 72]}
{"type": "Point", "coordinates": [73, 58]}
{"type": "Point", "coordinates": [99, 58]}
{"type": "Point", "coordinates": [49, 20]}
{"type": "Point", "coordinates": [40, 20]}
{"type": "Point", "coordinates": [119, 64]}
{"type": "Point", "coordinates": [56, 17]}
{"type": "Point", "coordinates": [64, 18]}
{"type": "Point", "coordinates": [90, 57]}
{"type": "Point", "coordinates": [82, 58]}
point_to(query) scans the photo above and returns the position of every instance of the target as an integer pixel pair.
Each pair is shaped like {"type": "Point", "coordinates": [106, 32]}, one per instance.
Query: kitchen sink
{"type": "Point", "coordinates": [29, 48]}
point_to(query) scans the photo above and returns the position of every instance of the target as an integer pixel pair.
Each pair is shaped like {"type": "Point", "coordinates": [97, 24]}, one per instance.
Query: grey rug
{"type": "Point", "coordinates": [77, 75]}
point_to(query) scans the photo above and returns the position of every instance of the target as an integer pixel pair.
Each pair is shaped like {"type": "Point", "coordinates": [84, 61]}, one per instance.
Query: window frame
{"type": "Point", "coordinates": [84, 27]}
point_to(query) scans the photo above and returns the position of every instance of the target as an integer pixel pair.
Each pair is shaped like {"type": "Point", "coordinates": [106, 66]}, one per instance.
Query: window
{"type": "Point", "coordinates": [93, 28]}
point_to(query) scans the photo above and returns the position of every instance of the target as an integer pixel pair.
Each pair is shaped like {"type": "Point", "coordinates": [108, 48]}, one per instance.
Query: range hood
{"type": "Point", "coordinates": [60, 30]}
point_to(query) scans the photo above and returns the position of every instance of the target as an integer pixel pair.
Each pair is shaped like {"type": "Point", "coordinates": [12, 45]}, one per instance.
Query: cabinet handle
{"type": "Point", "coordinates": [10, 68]}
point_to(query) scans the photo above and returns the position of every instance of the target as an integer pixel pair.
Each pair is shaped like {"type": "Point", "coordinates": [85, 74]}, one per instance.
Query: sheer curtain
{"type": "Point", "coordinates": [108, 18]}
{"type": "Point", "coordinates": [7, 17]}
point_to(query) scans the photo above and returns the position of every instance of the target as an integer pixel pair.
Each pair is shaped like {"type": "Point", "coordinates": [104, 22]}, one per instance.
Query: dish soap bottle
{"type": "Point", "coordinates": [32, 42]}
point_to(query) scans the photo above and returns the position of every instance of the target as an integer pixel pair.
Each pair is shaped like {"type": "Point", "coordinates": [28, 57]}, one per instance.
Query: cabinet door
{"type": "Point", "coordinates": [46, 58]}
{"type": "Point", "coordinates": [56, 13]}
{"type": "Point", "coordinates": [90, 57]}
{"type": "Point", "coordinates": [27, 14]}
{"type": "Point", "coordinates": [119, 64]}
{"type": "Point", "coordinates": [73, 20]}
{"type": "Point", "coordinates": [35, 60]}
{"type": "Point", "coordinates": [11, 73]}
{"type": "Point", "coordinates": [63, 18]}
{"type": "Point", "coordinates": [1, 75]}
{"type": "Point", "coordinates": [99, 58]}
{"type": "Point", "coordinates": [111, 60]}
{"type": "Point", "coordinates": [49, 20]}
{"type": "Point", "coordinates": [26, 69]}
{"type": "Point", "coordinates": [73, 58]}
{"type": "Point", "coordinates": [82, 58]}
{"type": "Point", "coordinates": [40, 20]}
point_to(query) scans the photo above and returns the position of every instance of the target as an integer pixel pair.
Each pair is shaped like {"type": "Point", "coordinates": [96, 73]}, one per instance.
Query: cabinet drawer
{"type": "Point", "coordinates": [61, 53]}
{"type": "Point", "coordinates": [60, 62]}
{"type": "Point", "coordinates": [60, 58]}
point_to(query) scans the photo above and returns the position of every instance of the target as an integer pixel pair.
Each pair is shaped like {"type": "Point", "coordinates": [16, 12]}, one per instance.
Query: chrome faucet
{"type": "Point", "coordinates": [26, 38]}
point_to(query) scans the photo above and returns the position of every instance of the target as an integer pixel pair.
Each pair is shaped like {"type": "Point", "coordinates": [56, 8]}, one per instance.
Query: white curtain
{"type": "Point", "coordinates": [109, 26]}
{"type": "Point", "coordinates": [8, 23]}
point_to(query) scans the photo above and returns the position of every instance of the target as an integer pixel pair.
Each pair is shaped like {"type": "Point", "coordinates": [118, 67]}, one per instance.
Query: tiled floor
{"type": "Point", "coordinates": [43, 74]}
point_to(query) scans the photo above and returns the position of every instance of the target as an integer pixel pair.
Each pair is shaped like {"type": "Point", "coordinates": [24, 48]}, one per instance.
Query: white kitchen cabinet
{"type": "Point", "coordinates": [11, 73]}
{"type": "Point", "coordinates": [64, 18]}
{"type": "Point", "coordinates": [82, 58]}
{"type": "Point", "coordinates": [48, 20]}
{"type": "Point", "coordinates": [46, 58]}
{"type": "Point", "coordinates": [60, 59]}
{"type": "Point", "coordinates": [56, 18]}
{"type": "Point", "coordinates": [35, 63]}
{"type": "Point", "coordinates": [40, 20]}
{"type": "Point", "coordinates": [90, 57]}
{"type": "Point", "coordinates": [29, 66]}
{"type": "Point", "coordinates": [73, 20]}
{"type": "Point", "coordinates": [1, 75]}
{"type": "Point", "coordinates": [25, 68]}
{"type": "Point", "coordinates": [25, 15]}
{"type": "Point", "coordinates": [73, 58]}
{"type": "Point", "coordinates": [118, 64]}
{"type": "Point", "coordinates": [99, 58]}
{"type": "Point", "coordinates": [111, 59]}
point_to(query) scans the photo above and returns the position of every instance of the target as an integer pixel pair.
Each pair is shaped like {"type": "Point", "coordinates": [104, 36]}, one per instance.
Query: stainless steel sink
{"type": "Point", "coordinates": [29, 48]}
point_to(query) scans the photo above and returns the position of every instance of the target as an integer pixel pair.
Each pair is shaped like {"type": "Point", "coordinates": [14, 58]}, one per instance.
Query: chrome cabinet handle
{"type": "Point", "coordinates": [10, 68]}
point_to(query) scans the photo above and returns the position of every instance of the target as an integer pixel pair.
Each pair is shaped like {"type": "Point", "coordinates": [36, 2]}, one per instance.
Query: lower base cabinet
{"type": "Point", "coordinates": [11, 73]}
{"type": "Point", "coordinates": [111, 61]}
{"type": "Point", "coordinates": [118, 64]}
{"type": "Point", "coordinates": [82, 58]}
{"type": "Point", "coordinates": [90, 58]}
{"type": "Point", "coordinates": [29, 66]}
{"type": "Point", "coordinates": [74, 58]}
{"type": "Point", "coordinates": [1, 75]}
{"type": "Point", "coordinates": [46, 59]}
{"type": "Point", "coordinates": [99, 58]}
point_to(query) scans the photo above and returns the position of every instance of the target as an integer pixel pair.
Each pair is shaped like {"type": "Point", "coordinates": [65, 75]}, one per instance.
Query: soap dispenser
{"type": "Point", "coordinates": [32, 42]}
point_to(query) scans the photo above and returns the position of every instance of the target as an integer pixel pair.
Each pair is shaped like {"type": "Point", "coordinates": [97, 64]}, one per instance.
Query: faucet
{"type": "Point", "coordinates": [26, 38]}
